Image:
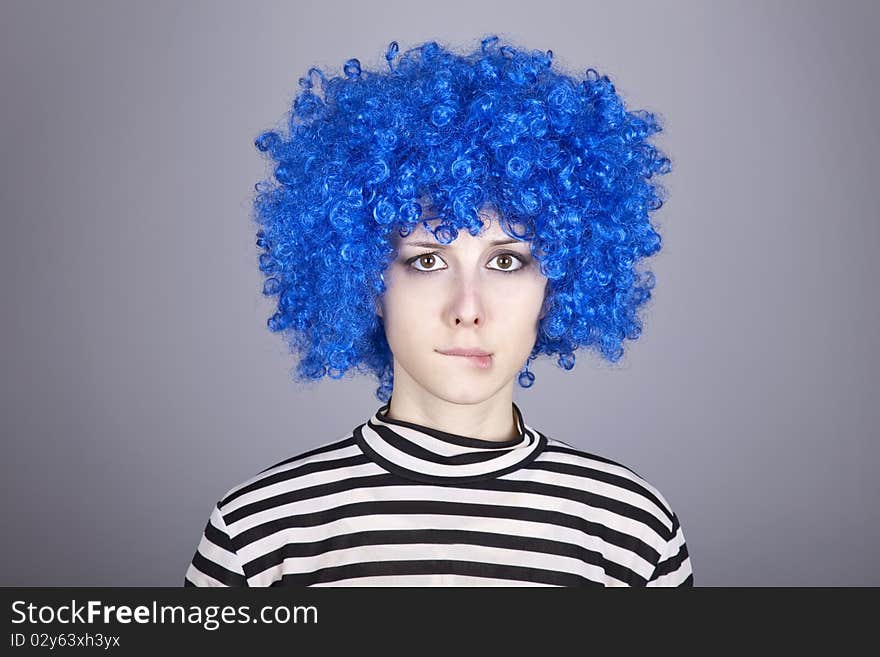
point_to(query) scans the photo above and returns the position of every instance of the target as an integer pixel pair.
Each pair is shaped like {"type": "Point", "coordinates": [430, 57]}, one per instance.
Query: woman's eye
{"type": "Point", "coordinates": [508, 262]}
{"type": "Point", "coordinates": [426, 260]}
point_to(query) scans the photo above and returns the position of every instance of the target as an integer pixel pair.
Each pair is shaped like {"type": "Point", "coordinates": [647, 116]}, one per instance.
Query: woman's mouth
{"type": "Point", "coordinates": [480, 362]}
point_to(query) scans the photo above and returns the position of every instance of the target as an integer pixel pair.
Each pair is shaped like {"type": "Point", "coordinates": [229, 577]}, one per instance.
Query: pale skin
{"type": "Point", "coordinates": [465, 294]}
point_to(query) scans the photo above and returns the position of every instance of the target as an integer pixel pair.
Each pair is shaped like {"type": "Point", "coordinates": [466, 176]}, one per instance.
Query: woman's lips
{"type": "Point", "coordinates": [481, 362]}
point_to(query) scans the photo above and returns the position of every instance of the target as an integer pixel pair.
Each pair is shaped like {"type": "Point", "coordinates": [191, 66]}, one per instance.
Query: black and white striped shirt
{"type": "Point", "coordinates": [401, 504]}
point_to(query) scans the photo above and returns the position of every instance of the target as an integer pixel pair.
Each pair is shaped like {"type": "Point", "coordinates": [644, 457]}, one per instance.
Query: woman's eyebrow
{"type": "Point", "coordinates": [437, 245]}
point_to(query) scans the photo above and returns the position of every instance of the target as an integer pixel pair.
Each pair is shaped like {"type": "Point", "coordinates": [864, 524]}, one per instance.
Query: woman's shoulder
{"type": "Point", "coordinates": [309, 467]}
{"type": "Point", "coordinates": [602, 475]}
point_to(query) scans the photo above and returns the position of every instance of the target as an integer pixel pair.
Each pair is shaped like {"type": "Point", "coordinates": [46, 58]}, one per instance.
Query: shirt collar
{"type": "Point", "coordinates": [429, 455]}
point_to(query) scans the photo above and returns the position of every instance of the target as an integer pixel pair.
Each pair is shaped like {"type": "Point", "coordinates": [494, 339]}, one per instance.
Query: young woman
{"type": "Point", "coordinates": [439, 226]}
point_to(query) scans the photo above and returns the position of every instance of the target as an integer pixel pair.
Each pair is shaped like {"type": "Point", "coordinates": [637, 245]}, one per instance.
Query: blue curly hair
{"type": "Point", "coordinates": [560, 159]}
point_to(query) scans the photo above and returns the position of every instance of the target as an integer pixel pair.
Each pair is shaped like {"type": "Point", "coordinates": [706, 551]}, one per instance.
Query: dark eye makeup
{"type": "Point", "coordinates": [523, 260]}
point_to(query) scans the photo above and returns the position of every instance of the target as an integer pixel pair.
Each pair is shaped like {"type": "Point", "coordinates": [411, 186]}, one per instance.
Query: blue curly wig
{"type": "Point", "coordinates": [561, 160]}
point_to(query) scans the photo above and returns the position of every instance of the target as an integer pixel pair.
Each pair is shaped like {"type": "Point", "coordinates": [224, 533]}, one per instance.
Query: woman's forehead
{"type": "Point", "coordinates": [491, 229]}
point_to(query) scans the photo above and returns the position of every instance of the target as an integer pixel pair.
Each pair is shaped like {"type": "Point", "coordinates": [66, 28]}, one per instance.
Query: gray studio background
{"type": "Point", "coordinates": [140, 383]}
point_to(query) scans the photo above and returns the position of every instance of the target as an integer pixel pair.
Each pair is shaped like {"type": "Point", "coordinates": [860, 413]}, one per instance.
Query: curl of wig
{"type": "Point", "coordinates": [564, 163]}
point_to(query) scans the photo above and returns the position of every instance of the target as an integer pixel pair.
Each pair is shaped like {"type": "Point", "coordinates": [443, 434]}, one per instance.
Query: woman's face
{"type": "Point", "coordinates": [469, 294]}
